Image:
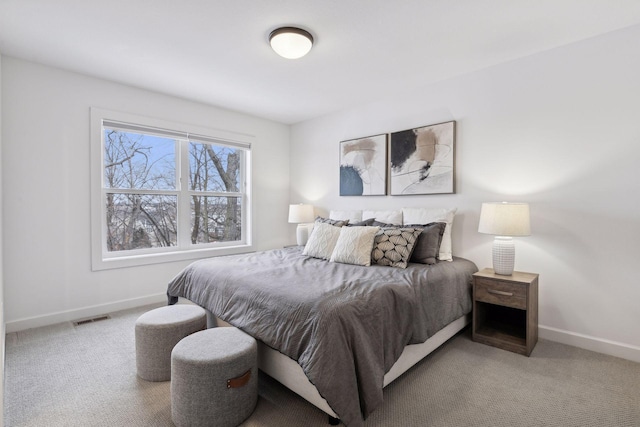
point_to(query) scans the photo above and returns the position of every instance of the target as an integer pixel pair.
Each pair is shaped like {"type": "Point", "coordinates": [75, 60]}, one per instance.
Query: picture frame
{"type": "Point", "coordinates": [422, 160]}
{"type": "Point", "coordinates": [363, 166]}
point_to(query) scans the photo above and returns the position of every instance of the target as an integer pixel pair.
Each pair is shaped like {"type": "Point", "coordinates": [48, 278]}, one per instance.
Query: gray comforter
{"type": "Point", "coordinates": [346, 325]}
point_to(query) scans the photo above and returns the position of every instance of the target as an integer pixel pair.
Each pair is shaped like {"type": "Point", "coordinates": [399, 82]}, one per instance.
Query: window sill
{"type": "Point", "coordinates": [99, 263]}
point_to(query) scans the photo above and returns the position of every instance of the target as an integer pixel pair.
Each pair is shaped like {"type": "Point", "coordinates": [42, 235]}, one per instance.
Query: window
{"type": "Point", "coordinates": [163, 192]}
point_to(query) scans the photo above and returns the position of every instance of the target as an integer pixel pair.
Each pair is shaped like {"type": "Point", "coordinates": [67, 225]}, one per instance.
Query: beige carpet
{"type": "Point", "coordinates": [64, 375]}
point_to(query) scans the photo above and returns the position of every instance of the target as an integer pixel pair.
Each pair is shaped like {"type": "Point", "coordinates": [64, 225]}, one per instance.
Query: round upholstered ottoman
{"type": "Point", "coordinates": [158, 331]}
{"type": "Point", "coordinates": [214, 378]}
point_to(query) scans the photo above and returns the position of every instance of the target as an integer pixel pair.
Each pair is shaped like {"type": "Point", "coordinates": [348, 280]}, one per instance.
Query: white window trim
{"type": "Point", "coordinates": [103, 260]}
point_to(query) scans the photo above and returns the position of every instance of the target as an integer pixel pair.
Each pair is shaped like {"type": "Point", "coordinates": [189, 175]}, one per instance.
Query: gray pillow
{"type": "Point", "coordinates": [428, 245]}
{"type": "Point", "coordinates": [365, 223]}
{"type": "Point", "coordinates": [334, 222]}
{"type": "Point", "coordinates": [376, 223]}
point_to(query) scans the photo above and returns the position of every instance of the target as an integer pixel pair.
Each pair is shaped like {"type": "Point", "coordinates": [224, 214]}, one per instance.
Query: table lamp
{"type": "Point", "coordinates": [301, 214]}
{"type": "Point", "coordinates": [504, 220]}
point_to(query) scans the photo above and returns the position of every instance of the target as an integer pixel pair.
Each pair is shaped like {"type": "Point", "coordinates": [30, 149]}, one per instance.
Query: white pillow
{"type": "Point", "coordinates": [354, 245]}
{"type": "Point", "coordinates": [322, 241]}
{"type": "Point", "coordinates": [389, 217]}
{"type": "Point", "coordinates": [425, 216]}
{"type": "Point", "coordinates": [352, 216]}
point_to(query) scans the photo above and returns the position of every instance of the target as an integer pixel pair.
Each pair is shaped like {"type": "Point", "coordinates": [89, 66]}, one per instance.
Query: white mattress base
{"type": "Point", "coordinates": [290, 374]}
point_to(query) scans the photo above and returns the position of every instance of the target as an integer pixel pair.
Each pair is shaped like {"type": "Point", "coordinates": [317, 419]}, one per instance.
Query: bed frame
{"type": "Point", "coordinates": [289, 373]}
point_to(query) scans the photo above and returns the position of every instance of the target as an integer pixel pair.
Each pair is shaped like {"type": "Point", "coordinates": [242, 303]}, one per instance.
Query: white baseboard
{"type": "Point", "coordinates": [81, 313]}
{"type": "Point", "coordinates": [599, 345]}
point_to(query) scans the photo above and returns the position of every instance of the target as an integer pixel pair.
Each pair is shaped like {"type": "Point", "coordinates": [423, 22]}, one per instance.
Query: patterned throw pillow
{"type": "Point", "coordinates": [393, 246]}
{"type": "Point", "coordinates": [427, 247]}
{"type": "Point", "coordinates": [354, 245]}
{"type": "Point", "coordinates": [322, 241]}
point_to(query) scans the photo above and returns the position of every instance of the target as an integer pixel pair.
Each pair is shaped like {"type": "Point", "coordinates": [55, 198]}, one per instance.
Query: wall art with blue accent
{"type": "Point", "coordinates": [363, 166]}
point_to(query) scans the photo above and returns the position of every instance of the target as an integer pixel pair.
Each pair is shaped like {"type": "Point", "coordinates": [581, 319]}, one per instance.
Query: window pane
{"type": "Point", "coordinates": [135, 160]}
{"type": "Point", "coordinates": [138, 221]}
{"type": "Point", "coordinates": [214, 168]}
{"type": "Point", "coordinates": [215, 219]}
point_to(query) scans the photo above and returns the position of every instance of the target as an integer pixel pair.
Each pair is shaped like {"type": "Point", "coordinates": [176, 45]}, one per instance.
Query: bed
{"type": "Point", "coordinates": [334, 333]}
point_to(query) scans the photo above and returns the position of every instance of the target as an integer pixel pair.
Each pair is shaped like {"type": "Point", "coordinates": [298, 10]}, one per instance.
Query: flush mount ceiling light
{"type": "Point", "coordinates": [291, 42]}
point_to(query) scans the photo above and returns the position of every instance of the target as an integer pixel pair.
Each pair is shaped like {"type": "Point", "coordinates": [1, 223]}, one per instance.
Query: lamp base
{"type": "Point", "coordinates": [504, 255]}
{"type": "Point", "coordinates": [302, 234]}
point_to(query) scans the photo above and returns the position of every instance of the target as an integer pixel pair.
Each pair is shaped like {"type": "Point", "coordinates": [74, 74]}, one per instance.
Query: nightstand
{"type": "Point", "coordinates": [505, 310]}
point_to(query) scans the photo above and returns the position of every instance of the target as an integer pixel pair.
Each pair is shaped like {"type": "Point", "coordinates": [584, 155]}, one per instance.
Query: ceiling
{"type": "Point", "coordinates": [217, 52]}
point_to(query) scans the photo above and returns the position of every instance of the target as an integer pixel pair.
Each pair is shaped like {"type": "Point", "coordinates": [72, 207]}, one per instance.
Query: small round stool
{"type": "Point", "coordinates": [158, 331]}
{"type": "Point", "coordinates": [214, 378]}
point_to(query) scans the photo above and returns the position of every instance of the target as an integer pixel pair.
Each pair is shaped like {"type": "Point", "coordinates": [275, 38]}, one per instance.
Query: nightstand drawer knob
{"type": "Point", "coordinates": [504, 294]}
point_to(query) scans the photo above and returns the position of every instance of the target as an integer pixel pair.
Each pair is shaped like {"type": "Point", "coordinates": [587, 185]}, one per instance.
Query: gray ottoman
{"type": "Point", "coordinates": [158, 331]}
{"type": "Point", "coordinates": [214, 378]}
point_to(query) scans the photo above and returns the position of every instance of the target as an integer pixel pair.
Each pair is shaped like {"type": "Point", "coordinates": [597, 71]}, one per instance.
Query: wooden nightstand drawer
{"type": "Point", "coordinates": [501, 293]}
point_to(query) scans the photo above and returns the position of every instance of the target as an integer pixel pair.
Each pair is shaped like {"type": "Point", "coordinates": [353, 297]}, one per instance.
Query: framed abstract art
{"type": "Point", "coordinates": [363, 166]}
{"type": "Point", "coordinates": [422, 160]}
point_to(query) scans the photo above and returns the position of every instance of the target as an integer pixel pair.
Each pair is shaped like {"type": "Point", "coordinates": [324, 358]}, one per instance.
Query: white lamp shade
{"type": "Point", "coordinates": [300, 213]}
{"type": "Point", "coordinates": [290, 42]}
{"type": "Point", "coordinates": [505, 219]}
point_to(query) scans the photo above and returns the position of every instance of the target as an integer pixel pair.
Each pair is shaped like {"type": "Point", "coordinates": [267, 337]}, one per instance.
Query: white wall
{"type": "Point", "coordinates": [2, 322]}
{"type": "Point", "coordinates": [558, 129]}
{"type": "Point", "coordinates": [46, 174]}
